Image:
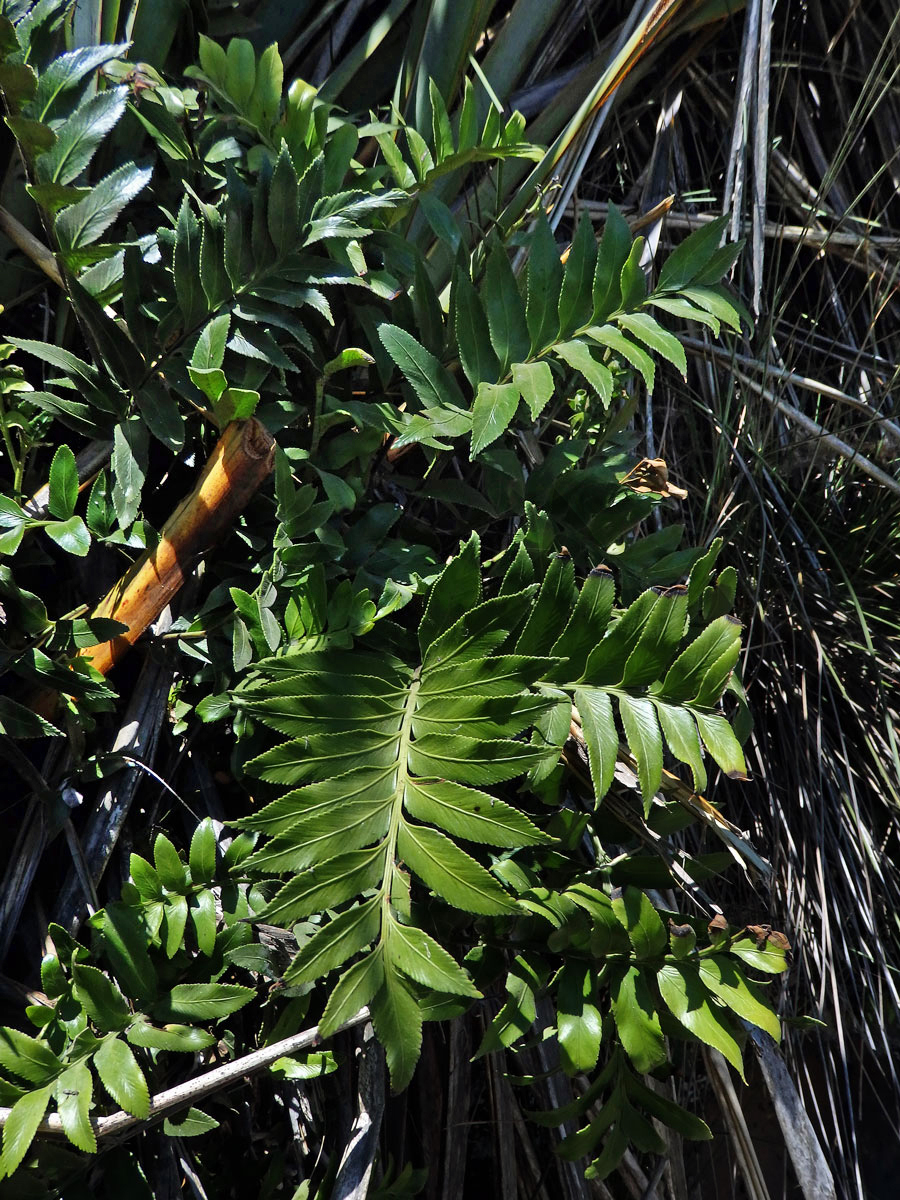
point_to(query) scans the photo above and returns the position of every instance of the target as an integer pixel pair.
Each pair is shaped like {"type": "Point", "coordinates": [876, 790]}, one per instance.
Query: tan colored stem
{"type": "Point", "coordinates": [241, 460]}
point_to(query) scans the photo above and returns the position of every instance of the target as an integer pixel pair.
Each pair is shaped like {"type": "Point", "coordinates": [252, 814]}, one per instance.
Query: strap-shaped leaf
{"type": "Point", "coordinates": [680, 731]}
{"type": "Point", "coordinates": [578, 356]}
{"type": "Point", "coordinates": [422, 959]}
{"type": "Point", "coordinates": [609, 335]}
{"type": "Point", "coordinates": [685, 677]}
{"type": "Point", "coordinates": [494, 408]}
{"type": "Point", "coordinates": [355, 989]}
{"type": "Point", "coordinates": [398, 1023]}
{"type": "Point", "coordinates": [606, 664]}
{"type": "Point", "coordinates": [473, 338]}
{"type": "Point", "coordinates": [21, 1126]}
{"type": "Point", "coordinates": [689, 258]}
{"type": "Point", "coordinates": [645, 742]}
{"type": "Point", "coordinates": [641, 922]}
{"type": "Point", "coordinates": [642, 326]}
{"type": "Point", "coordinates": [661, 636]}
{"type": "Point", "coordinates": [600, 736]}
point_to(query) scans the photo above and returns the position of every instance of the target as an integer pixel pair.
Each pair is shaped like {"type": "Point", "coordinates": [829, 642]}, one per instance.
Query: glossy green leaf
{"type": "Point", "coordinates": [63, 484]}
{"type": "Point", "coordinates": [472, 335]}
{"type": "Point", "coordinates": [505, 310]}
{"type": "Point", "coordinates": [431, 381]}
{"type": "Point", "coordinates": [186, 259]}
{"type": "Point", "coordinates": [578, 1021]}
{"type": "Point", "coordinates": [169, 867]}
{"type": "Point", "coordinates": [615, 246]}
{"type": "Point", "coordinates": [645, 742]}
{"type": "Point", "coordinates": [625, 348]}
{"type": "Point", "coordinates": [102, 1000]}
{"type": "Point", "coordinates": [494, 408]}
{"type": "Point", "coordinates": [634, 1009]}
{"type": "Point", "coordinates": [688, 999]}
{"type": "Point", "coordinates": [194, 1123]}
{"type": "Point", "coordinates": [690, 257]}
{"type": "Point", "coordinates": [600, 736]}
{"type": "Point", "coordinates": [467, 813]}
{"type": "Point", "coordinates": [353, 991]}
{"type": "Point", "coordinates": [545, 276]}
{"type": "Point", "coordinates": [71, 535]}
{"type": "Point", "coordinates": [83, 223]}
{"type": "Point", "coordinates": [172, 1037]}
{"type": "Point", "coordinates": [398, 1024]}
{"type": "Point", "coordinates": [419, 956]}
{"type": "Point", "coordinates": [73, 1091]}
{"type": "Point", "coordinates": [122, 1077]}
{"type": "Point", "coordinates": [339, 940]}
{"type": "Point", "coordinates": [576, 296]}
{"type": "Point", "coordinates": [21, 1126]}
{"type": "Point", "coordinates": [451, 873]}
{"type": "Point", "coordinates": [579, 357]}
{"type": "Point", "coordinates": [27, 1057]}
{"type": "Point", "coordinates": [727, 981]}
{"type": "Point", "coordinates": [649, 331]}
{"type": "Point", "coordinates": [534, 381]}
{"type": "Point", "coordinates": [202, 857]}
{"type": "Point", "coordinates": [204, 1001]}
{"type": "Point", "coordinates": [641, 921]}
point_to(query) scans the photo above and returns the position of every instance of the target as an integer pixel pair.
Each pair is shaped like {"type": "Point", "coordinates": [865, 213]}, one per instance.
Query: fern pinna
{"type": "Point", "coordinates": [394, 760]}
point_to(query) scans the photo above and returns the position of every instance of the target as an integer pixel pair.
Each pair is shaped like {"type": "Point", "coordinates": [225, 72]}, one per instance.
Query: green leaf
{"type": "Point", "coordinates": [102, 1000]}
{"type": "Point", "coordinates": [576, 296]}
{"type": "Point", "coordinates": [67, 71]}
{"type": "Point", "coordinates": [21, 1126]}
{"type": "Point", "coordinates": [671, 1114]}
{"type": "Point", "coordinates": [283, 213]}
{"type": "Point", "coordinates": [450, 872]}
{"type": "Point", "coordinates": [186, 267]}
{"type": "Point", "coordinates": [641, 921]}
{"type": "Point", "coordinates": [240, 73]}
{"type": "Point", "coordinates": [545, 275]}
{"type": "Point", "coordinates": [535, 383]}
{"type": "Point", "coordinates": [63, 484]}
{"type": "Point", "coordinates": [615, 246]}
{"type": "Point", "coordinates": [341, 938]}
{"type": "Point", "coordinates": [265, 101]}
{"type": "Point", "coordinates": [472, 335]}
{"type": "Point", "coordinates": [457, 589]}
{"type": "Point", "coordinates": [71, 535]}
{"type": "Point", "coordinates": [27, 1057]}
{"type": "Point", "coordinates": [684, 678]}
{"type": "Point", "coordinates": [82, 224]}
{"type": "Point", "coordinates": [73, 1091]}
{"type": "Point", "coordinates": [689, 258]}
{"type": "Point", "coordinates": [636, 1018]}
{"type": "Point", "coordinates": [129, 464]}
{"type": "Point", "coordinates": [173, 1037]}
{"type": "Point", "coordinates": [203, 916]}
{"type": "Point", "coordinates": [600, 736]}
{"type": "Point", "coordinates": [80, 135]}
{"type": "Point", "coordinates": [609, 335]}
{"type": "Point", "coordinates": [192, 1124]}
{"type": "Point", "coordinates": [122, 1077]}
{"type": "Point", "coordinates": [717, 302]}
{"type": "Point", "coordinates": [720, 741]}
{"type": "Point", "coordinates": [202, 857]}
{"type": "Point", "coordinates": [239, 259]}
{"type": "Point", "coordinates": [470, 814]}
{"type": "Point", "coordinates": [213, 273]}
{"type": "Point", "coordinates": [429, 379]}
{"type": "Point", "coordinates": [353, 991]}
{"type": "Point", "coordinates": [176, 912]}
{"type": "Point", "coordinates": [519, 1012]}
{"type": "Point", "coordinates": [578, 356]}
{"type": "Point", "coordinates": [578, 1022]}
{"type": "Point", "coordinates": [398, 1024]}
{"type": "Point", "coordinates": [632, 281]}
{"type": "Point", "coordinates": [505, 310]}
{"type": "Point", "coordinates": [125, 940]}
{"type": "Point", "coordinates": [680, 731]}
{"type": "Point", "coordinates": [420, 957]}
{"type": "Point", "coordinates": [169, 865]}
{"type": "Point", "coordinates": [652, 334]}
{"type": "Point", "coordinates": [204, 1001]}
{"type": "Point", "coordinates": [645, 742]}
{"type": "Point", "coordinates": [688, 1000]}
{"type": "Point", "coordinates": [17, 721]}
{"type": "Point", "coordinates": [495, 406]}
{"type": "Point", "coordinates": [726, 980]}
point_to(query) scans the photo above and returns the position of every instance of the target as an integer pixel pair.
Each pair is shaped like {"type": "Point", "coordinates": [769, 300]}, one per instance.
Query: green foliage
{"type": "Point", "coordinates": [418, 820]}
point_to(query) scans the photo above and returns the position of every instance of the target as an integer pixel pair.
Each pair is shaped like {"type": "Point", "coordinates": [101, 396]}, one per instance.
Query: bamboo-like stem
{"type": "Point", "coordinates": [240, 461]}
{"type": "Point", "coordinates": [194, 1089]}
